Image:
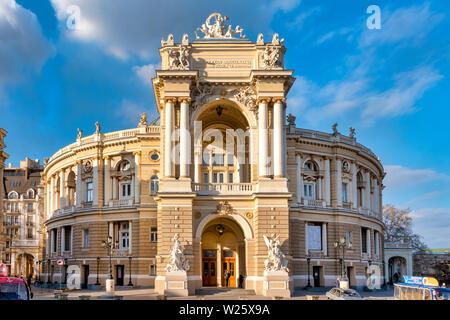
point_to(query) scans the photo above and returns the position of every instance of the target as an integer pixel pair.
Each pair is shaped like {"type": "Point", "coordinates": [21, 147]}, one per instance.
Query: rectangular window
{"type": "Point", "coordinates": [67, 238]}
{"type": "Point", "coordinates": [205, 178]}
{"type": "Point", "coordinates": [153, 234]}
{"type": "Point", "coordinates": [220, 177]}
{"type": "Point", "coordinates": [30, 233]}
{"type": "Point", "coordinates": [364, 240]}
{"type": "Point", "coordinates": [126, 190]}
{"type": "Point", "coordinates": [348, 238]}
{"type": "Point", "coordinates": [314, 236]}
{"type": "Point", "coordinates": [344, 192]}
{"type": "Point", "coordinates": [54, 240]}
{"type": "Point", "coordinates": [124, 240]}
{"type": "Point", "coordinates": [153, 270]}
{"type": "Point", "coordinates": [217, 159]}
{"type": "Point", "coordinates": [86, 238]}
{"type": "Point", "coordinates": [30, 207]}
{"type": "Point", "coordinates": [90, 192]}
{"type": "Point", "coordinates": [377, 243]}
{"type": "Point", "coordinates": [215, 177]}
{"type": "Point", "coordinates": [308, 190]}
{"type": "Point", "coordinates": [230, 160]}
{"type": "Point", "coordinates": [230, 178]}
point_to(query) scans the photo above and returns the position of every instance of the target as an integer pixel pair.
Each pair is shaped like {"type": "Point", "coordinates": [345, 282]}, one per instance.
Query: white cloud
{"type": "Point", "coordinates": [23, 48]}
{"type": "Point", "coordinates": [135, 27]}
{"type": "Point", "coordinates": [146, 72]}
{"type": "Point", "coordinates": [434, 225]}
{"type": "Point", "coordinates": [400, 177]}
{"type": "Point", "coordinates": [411, 23]}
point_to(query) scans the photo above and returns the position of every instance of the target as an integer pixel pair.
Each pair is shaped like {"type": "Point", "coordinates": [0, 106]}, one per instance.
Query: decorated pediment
{"type": "Point", "coordinates": [224, 208]}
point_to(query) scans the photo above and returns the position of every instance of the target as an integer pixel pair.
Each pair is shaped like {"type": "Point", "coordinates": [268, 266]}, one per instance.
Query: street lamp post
{"type": "Point", "coordinates": [39, 271]}
{"type": "Point", "coordinates": [130, 283]}
{"type": "Point", "coordinates": [98, 262]}
{"type": "Point", "coordinates": [65, 271]}
{"type": "Point", "coordinates": [108, 244]}
{"type": "Point", "coordinates": [342, 244]}
{"type": "Point", "coordinates": [48, 271]}
{"type": "Point", "coordinates": [308, 260]}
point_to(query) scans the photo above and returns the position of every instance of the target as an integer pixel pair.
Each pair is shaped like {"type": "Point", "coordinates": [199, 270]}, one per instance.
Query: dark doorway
{"type": "Point", "coordinates": [85, 283]}
{"type": "Point", "coordinates": [316, 276]}
{"type": "Point", "coordinates": [120, 270]}
{"type": "Point", "coordinates": [209, 276]}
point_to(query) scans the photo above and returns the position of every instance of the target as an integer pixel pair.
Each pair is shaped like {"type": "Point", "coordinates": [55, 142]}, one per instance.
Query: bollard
{"type": "Point", "coordinates": [110, 286]}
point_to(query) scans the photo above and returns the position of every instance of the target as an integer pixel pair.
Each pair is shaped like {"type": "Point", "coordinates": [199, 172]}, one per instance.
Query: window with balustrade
{"type": "Point", "coordinates": [308, 191]}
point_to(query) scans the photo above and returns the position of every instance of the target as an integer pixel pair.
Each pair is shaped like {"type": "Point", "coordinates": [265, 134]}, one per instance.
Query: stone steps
{"type": "Point", "coordinates": [223, 292]}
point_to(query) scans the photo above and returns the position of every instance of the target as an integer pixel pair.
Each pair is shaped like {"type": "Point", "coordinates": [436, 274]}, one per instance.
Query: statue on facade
{"type": "Point", "coordinates": [179, 58]}
{"type": "Point", "coordinates": [247, 97]}
{"type": "Point", "coordinates": [271, 57]}
{"type": "Point", "coordinates": [168, 42]}
{"type": "Point", "coordinates": [97, 128]}
{"type": "Point", "coordinates": [291, 119]}
{"type": "Point", "coordinates": [334, 127]}
{"type": "Point", "coordinates": [178, 261]}
{"type": "Point", "coordinates": [200, 93]}
{"type": "Point", "coordinates": [185, 39]}
{"type": "Point", "coordinates": [277, 260]}
{"type": "Point", "coordinates": [352, 132]}
{"type": "Point", "coordinates": [143, 120]}
{"type": "Point", "coordinates": [218, 28]}
{"type": "Point", "coordinates": [80, 134]}
{"type": "Point", "coordinates": [260, 39]}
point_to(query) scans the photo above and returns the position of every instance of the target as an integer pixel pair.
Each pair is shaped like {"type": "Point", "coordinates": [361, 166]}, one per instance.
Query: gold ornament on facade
{"type": "Point", "coordinates": [224, 208]}
{"type": "Point", "coordinates": [249, 215]}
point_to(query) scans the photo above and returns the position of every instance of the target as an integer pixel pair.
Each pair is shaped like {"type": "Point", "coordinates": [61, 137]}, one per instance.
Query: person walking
{"type": "Point", "coordinates": [227, 277]}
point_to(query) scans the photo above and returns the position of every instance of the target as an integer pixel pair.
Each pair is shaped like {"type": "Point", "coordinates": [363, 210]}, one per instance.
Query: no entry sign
{"type": "Point", "coordinates": [60, 262]}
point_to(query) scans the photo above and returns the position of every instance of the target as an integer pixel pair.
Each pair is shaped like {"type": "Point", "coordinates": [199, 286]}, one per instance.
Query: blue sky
{"type": "Point", "coordinates": [391, 84]}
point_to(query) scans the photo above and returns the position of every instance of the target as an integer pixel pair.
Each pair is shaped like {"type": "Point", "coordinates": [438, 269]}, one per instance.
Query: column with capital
{"type": "Point", "coordinates": [263, 142]}
{"type": "Point", "coordinates": [367, 190]}
{"type": "Point", "coordinates": [61, 188]}
{"type": "Point", "coordinates": [95, 164]}
{"type": "Point", "coordinates": [168, 163]}
{"type": "Point", "coordinates": [137, 178]}
{"type": "Point", "coordinates": [299, 178]}
{"type": "Point", "coordinates": [327, 182]}
{"type": "Point", "coordinates": [52, 195]}
{"type": "Point", "coordinates": [278, 143]}
{"type": "Point", "coordinates": [354, 186]}
{"type": "Point", "coordinates": [47, 197]}
{"type": "Point", "coordinates": [107, 183]}
{"type": "Point", "coordinates": [339, 181]}
{"type": "Point", "coordinates": [78, 184]}
{"type": "Point", "coordinates": [185, 141]}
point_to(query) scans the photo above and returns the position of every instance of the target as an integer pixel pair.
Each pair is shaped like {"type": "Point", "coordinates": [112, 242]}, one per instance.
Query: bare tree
{"type": "Point", "coordinates": [398, 224]}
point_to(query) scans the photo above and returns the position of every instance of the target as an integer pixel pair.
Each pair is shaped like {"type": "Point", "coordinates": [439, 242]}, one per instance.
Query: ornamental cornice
{"type": "Point", "coordinates": [184, 100]}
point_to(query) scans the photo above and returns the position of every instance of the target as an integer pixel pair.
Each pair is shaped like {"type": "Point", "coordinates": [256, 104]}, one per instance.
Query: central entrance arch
{"type": "Point", "coordinates": [222, 249]}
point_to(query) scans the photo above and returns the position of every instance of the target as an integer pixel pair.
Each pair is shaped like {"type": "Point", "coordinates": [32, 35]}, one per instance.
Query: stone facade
{"type": "Point", "coordinates": [3, 157]}
{"type": "Point", "coordinates": [222, 169]}
{"type": "Point", "coordinates": [22, 217]}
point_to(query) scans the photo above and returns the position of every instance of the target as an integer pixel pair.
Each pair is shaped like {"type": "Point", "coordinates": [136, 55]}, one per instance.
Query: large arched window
{"type": "Point", "coordinates": [124, 178]}
{"type": "Point", "coordinates": [154, 185]}
{"type": "Point", "coordinates": [30, 194]}
{"type": "Point", "coordinates": [13, 195]}
{"type": "Point", "coordinates": [360, 187]}
{"type": "Point", "coordinates": [310, 180]}
{"type": "Point", "coordinates": [71, 185]}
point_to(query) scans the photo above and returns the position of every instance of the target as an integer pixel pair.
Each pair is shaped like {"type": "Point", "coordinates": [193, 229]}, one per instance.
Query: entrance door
{"type": "Point", "coordinates": [209, 261]}
{"type": "Point", "coordinates": [229, 263]}
{"type": "Point", "coordinates": [85, 276]}
{"type": "Point", "coordinates": [316, 276]}
{"type": "Point", "coordinates": [119, 275]}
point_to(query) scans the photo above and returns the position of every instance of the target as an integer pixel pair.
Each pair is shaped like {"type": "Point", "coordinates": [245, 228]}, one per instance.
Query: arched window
{"type": "Point", "coordinates": [71, 185]}
{"type": "Point", "coordinates": [310, 165]}
{"type": "Point", "coordinates": [360, 187]}
{"type": "Point", "coordinates": [124, 166]}
{"type": "Point", "coordinates": [154, 185]}
{"type": "Point", "coordinates": [124, 180]}
{"type": "Point", "coordinates": [30, 194]}
{"type": "Point", "coordinates": [13, 195]}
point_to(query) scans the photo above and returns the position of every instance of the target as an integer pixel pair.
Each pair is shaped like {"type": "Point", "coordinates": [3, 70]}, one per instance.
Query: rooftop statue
{"type": "Point", "coordinates": [218, 29]}
{"type": "Point", "coordinates": [143, 120]}
{"type": "Point", "coordinates": [97, 128]}
{"type": "Point", "coordinates": [80, 133]}
{"type": "Point", "coordinates": [335, 130]}
{"type": "Point", "coordinates": [352, 132]}
{"type": "Point", "coordinates": [178, 261]}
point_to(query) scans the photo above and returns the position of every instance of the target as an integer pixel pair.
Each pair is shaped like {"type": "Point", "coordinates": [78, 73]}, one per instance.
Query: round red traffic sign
{"type": "Point", "coordinates": [60, 262]}
{"type": "Point", "coordinates": [3, 270]}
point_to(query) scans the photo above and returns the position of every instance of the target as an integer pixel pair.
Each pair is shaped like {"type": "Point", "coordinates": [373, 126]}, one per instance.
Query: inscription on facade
{"type": "Point", "coordinates": [223, 63]}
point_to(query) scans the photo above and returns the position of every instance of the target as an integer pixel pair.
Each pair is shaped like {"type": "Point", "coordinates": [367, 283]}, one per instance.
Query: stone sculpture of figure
{"type": "Point", "coordinates": [271, 57]}
{"type": "Point", "coordinates": [97, 128]}
{"type": "Point", "coordinates": [143, 120]}
{"type": "Point", "coordinates": [185, 39]}
{"type": "Point", "coordinates": [179, 58]}
{"type": "Point", "coordinates": [80, 134]}
{"type": "Point", "coordinates": [352, 132]}
{"type": "Point", "coordinates": [178, 261]}
{"type": "Point", "coordinates": [291, 119]}
{"type": "Point", "coordinates": [277, 260]}
{"type": "Point", "coordinates": [334, 127]}
{"type": "Point", "coordinates": [276, 39]}
{"type": "Point", "coordinates": [200, 94]}
{"type": "Point", "coordinates": [168, 42]}
{"type": "Point", "coordinates": [218, 29]}
{"type": "Point", "coordinates": [260, 39]}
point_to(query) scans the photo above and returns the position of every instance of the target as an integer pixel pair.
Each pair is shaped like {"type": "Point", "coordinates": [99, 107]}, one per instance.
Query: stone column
{"type": "Point", "coordinates": [197, 164]}
{"type": "Point", "coordinates": [185, 145]}
{"type": "Point", "coordinates": [169, 125]}
{"type": "Point", "coordinates": [367, 190]}
{"type": "Point", "coordinates": [47, 197]}
{"type": "Point", "coordinates": [299, 178]}
{"type": "Point", "coordinates": [263, 142]}
{"type": "Point", "coordinates": [137, 185]}
{"type": "Point", "coordinates": [61, 189]}
{"type": "Point", "coordinates": [354, 187]}
{"type": "Point", "coordinates": [324, 239]}
{"type": "Point", "coordinates": [52, 195]}
{"type": "Point", "coordinates": [278, 142]}
{"type": "Point", "coordinates": [78, 184]}
{"type": "Point", "coordinates": [95, 164]}
{"type": "Point", "coordinates": [107, 161]}
{"type": "Point", "coordinates": [327, 182]}
{"type": "Point", "coordinates": [339, 182]}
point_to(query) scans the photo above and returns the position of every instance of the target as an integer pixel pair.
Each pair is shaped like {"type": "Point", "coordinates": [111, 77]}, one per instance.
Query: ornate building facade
{"type": "Point", "coordinates": [220, 182]}
{"type": "Point", "coordinates": [3, 157]}
{"type": "Point", "coordinates": [22, 217]}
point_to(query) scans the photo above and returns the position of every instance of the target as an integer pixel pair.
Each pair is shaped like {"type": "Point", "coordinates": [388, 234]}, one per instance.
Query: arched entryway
{"type": "Point", "coordinates": [397, 269]}
{"type": "Point", "coordinates": [222, 248]}
{"type": "Point", "coordinates": [25, 265]}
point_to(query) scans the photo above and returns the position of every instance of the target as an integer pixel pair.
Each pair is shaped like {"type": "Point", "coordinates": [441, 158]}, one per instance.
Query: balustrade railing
{"type": "Point", "coordinates": [223, 187]}
{"type": "Point", "coordinates": [120, 203]}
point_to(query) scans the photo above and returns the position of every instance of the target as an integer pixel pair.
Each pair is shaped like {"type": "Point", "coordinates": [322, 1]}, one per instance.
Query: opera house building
{"type": "Point", "coordinates": [221, 190]}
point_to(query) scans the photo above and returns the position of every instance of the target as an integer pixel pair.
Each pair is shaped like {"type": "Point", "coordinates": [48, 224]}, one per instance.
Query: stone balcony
{"type": "Point", "coordinates": [223, 188]}
{"type": "Point", "coordinates": [121, 203]}
{"type": "Point", "coordinates": [314, 203]}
